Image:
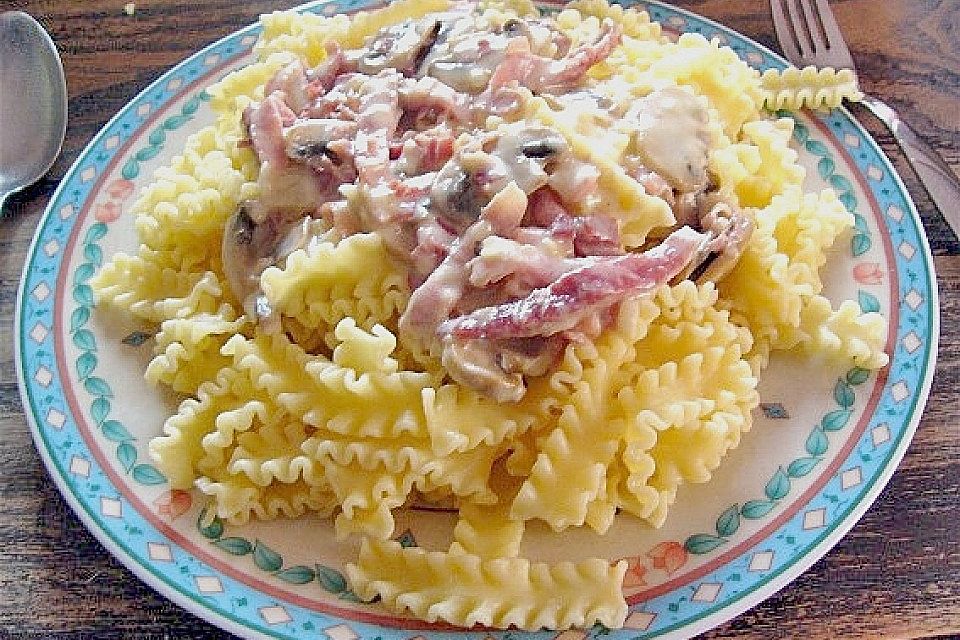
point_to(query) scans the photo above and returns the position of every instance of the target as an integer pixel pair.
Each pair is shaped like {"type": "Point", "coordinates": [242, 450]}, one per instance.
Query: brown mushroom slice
{"type": "Point", "coordinates": [239, 255]}
{"type": "Point", "coordinates": [311, 141]}
{"type": "Point", "coordinates": [467, 183]}
{"type": "Point", "coordinates": [474, 364]}
{"type": "Point", "coordinates": [732, 228]}
{"type": "Point", "coordinates": [242, 266]}
{"type": "Point", "coordinates": [530, 154]}
{"type": "Point", "coordinates": [464, 57]}
{"type": "Point", "coordinates": [468, 77]}
{"type": "Point", "coordinates": [728, 230]}
{"type": "Point", "coordinates": [529, 356]}
{"type": "Point", "coordinates": [249, 247]}
{"type": "Point", "coordinates": [401, 46]}
{"type": "Point", "coordinates": [297, 236]}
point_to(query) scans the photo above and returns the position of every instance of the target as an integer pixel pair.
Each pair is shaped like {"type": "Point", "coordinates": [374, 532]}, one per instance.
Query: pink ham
{"type": "Point", "coordinates": [435, 299]}
{"type": "Point", "coordinates": [597, 235]}
{"type": "Point", "coordinates": [323, 76]}
{"type": "Point", "coordinates": [592, 235]}
{"type": "Point", "coordinates": [424, 150]}
{"type": "Point", "coordinates": [377, 120]}
{"type": "Point", "coordinates": [540, 74]}
{"type": "Point", "coordinates": [429, 95]}
{"type": "Point", "coordinates": [265, 123]}
{"type": "Point", "coordinates": [575, 295]}
{"type": "Point", "coordinates": [544, 208]}
{"type": "Point", "coordinates": [300, 87]}
{"type": "Point", "coordinates": [292, 81]}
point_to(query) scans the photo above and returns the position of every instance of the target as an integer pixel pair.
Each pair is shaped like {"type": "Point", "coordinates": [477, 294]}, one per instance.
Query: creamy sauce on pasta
{"type": "Point", "coordinates": [394, 138]}
{"type": "Point", "coordinates": [672, 136]}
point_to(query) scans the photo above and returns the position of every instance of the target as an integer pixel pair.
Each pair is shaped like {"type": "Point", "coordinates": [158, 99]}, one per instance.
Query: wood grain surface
{"type": "Point", "coordinates": [895, 575]}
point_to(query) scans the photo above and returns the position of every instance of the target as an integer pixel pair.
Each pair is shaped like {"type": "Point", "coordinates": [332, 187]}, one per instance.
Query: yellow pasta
{"type": "Point", "coordinates": [687, 400]}
{"type": "Point", "coordinates": [636, 23]}
{"type": "Point", "coordinates": [188, 350]}
{"type": "Point", "coordinates": [156, 293]}
{"type": "Point", "coordinates": [808, 88]}
{"type": "Point", "coordinates": [211, 415]}
{"type": "Point", "coordinates": [465, 589]}
{"type": "Point", "coordinates": [326, 282]}
{"type": "Point", "coordinates": [777, 169]}
{"type": "Point", "coordinates": [460, 419]}
{"type": "Point", "coordinates": [487, 531]}
{"type": "Point", "coordinates": [309, 394]}
{"type": "Point", "coordinates": [330, 394]}
{"type": "Point", "coordinates": [578, 451]}
{"type": "Point", "coordinates": [843, 337]}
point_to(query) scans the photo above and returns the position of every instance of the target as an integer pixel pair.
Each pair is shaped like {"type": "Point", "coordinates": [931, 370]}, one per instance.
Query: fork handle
{"type": "Point", "coordinates": [937, 177]}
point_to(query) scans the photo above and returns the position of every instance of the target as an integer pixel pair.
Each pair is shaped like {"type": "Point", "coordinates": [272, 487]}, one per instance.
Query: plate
{"type": "Point", "coordinates": [812, 464]}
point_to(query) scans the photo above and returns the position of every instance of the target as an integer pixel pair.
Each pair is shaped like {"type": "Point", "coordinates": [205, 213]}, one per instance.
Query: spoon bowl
{"type": "Point", "coordinates": [33, 102]}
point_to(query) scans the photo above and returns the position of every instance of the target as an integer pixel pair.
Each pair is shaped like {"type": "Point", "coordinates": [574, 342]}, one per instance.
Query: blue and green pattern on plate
{"type": "Point", "coordinates": [67, 248]}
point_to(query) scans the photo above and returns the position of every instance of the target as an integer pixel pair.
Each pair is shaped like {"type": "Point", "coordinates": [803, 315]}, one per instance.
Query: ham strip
{"type": "Point", "coordinates": [576, 294]}
{"type": "Point", "coordinates": [540, 74]}
{"type": "Point", "coordinates": [429, 95]}
{"type": "Point", "coordinates": [595, 235]}
{"type": "Point", "coordinates": [265, 123]}
{"type": "Point", "coordinates": [323, 76]}
{"type": "Point", "coordinates": [377, 120]}
{"type": "Point", "coordinates": [435, 299]}
{"type": "Point", "coordinates": [292, 81]}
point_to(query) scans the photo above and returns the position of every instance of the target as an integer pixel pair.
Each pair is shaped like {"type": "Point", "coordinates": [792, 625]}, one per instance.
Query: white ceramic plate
{"type": "Point", "coordinates": [810, 467]}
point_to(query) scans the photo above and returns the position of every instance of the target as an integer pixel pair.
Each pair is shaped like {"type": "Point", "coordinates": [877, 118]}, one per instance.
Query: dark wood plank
{"type": "Point", "coordinates": [897, 574]}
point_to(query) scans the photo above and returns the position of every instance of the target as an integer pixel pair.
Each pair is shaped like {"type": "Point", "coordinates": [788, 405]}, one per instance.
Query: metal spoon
{"type": "Point", "coordinates": [33, 102]}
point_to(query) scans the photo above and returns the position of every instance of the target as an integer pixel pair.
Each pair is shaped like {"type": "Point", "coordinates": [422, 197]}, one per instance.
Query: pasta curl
{"type": "Point", "coordinates": [466, 590]}
{"type": "Point", "coordinates": [808, 88]}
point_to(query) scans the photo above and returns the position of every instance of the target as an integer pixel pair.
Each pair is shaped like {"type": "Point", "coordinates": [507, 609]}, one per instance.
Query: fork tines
{"type": "Point", "coordinates": [808, 32]}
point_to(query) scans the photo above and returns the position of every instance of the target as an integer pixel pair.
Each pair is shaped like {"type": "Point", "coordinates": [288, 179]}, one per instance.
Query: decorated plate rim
{"type": "Point", "coordinates": [725, 610]}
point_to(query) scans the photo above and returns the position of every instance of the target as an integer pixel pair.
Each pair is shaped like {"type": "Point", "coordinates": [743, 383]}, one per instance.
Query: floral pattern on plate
{"type": "Point", "coordinates": [740, 541]}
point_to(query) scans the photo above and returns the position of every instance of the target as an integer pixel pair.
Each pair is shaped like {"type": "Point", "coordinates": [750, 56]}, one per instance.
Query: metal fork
{"type": "Point", "coordinates": [809, 35]}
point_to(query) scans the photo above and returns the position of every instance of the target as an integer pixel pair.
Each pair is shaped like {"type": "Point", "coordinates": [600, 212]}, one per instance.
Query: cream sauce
{"type": "Point", "coordinates": [672, 136]}
{"type": "Point", "coordinates": [484, 219]}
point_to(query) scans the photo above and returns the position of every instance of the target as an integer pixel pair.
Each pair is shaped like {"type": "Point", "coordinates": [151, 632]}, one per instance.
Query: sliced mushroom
{"type": "Point", "coordinates": [464, 57]}
{"type": "Point", "coordinates": [530, 154]}
{"type": "Point", "coordinates": [467, 182]}
{"type": "Point", "coordinates": [732, 228]}
{"type": "Point", "coordinates": [515, 27]}
{"type": "Point", "coordinates": [239, 255]}
{"type": "Point", "coordinates": [309, 140]}
{"type": "Point", "coordinates": [298, 236]}
{"type": "Point", "coordinates": [468, 77]}
{"type": "Point", "coordinates": [249, 247]}
{"type": "Point", "coordinates": [454, 195]}
{"type": "Point", "coordinates": [474, 364]}
{"type": "Point", "coordinates": [402, 46]}
{"type": "Point", "coordinates": [528, 356]}
{"type": "Point", "coordinates": [728, 230]}
{"type": "Point", "coordinates": [429, 39]}
{"type": "Point", "coordinates": [672, 138]}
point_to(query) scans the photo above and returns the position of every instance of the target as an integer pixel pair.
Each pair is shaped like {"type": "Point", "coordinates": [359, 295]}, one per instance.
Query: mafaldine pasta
{"type": "Point", "coordinates": [527, 267]}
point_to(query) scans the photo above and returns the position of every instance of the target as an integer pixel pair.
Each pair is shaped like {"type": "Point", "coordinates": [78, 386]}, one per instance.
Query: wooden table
{"type": "Point", "coordinates": [897, 574]}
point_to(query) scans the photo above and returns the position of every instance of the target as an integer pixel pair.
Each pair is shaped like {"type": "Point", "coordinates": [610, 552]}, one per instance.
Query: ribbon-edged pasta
{"type": "Point", "coordinates": [466, 589]}
{"type": "Point", "coordinates": [335, 411]}
{"type": "Point", "coordinates": [808, 88]}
